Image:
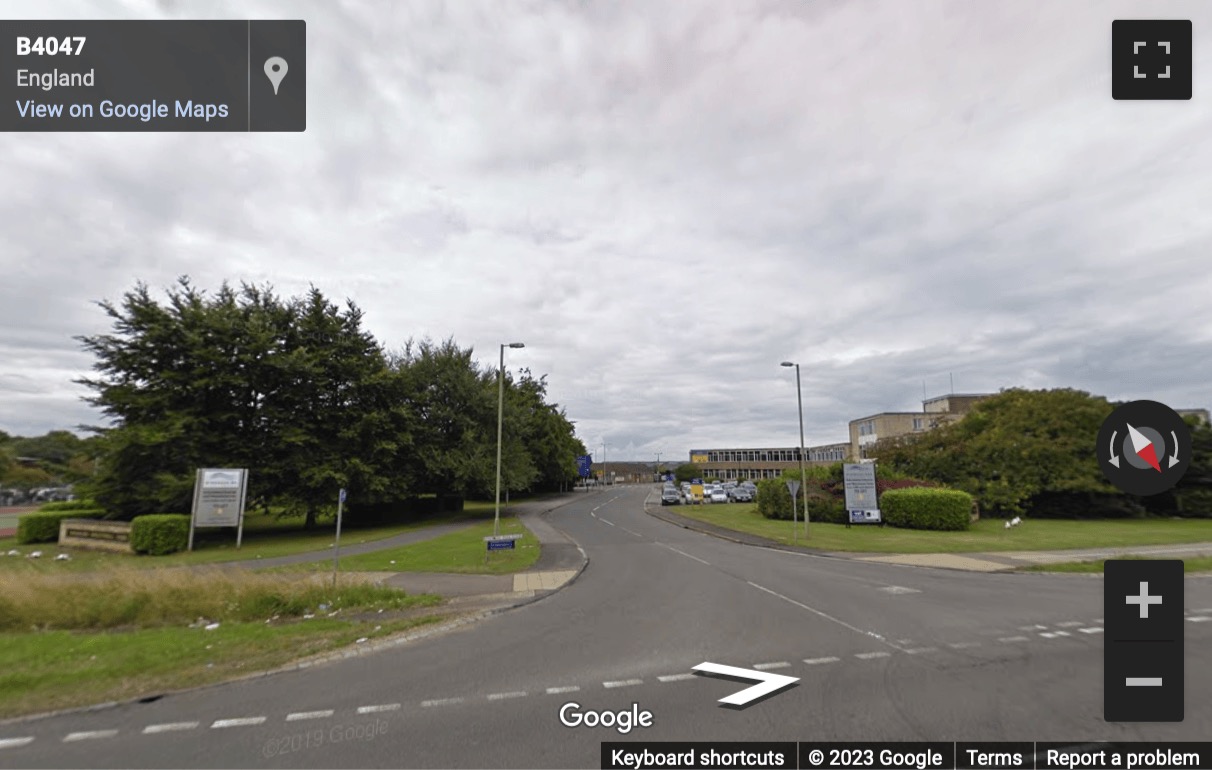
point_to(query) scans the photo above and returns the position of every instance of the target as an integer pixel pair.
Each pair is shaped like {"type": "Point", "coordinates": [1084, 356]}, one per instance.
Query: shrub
{"type": "Point", "coordinates": [43, 527]}
{"type": "Point", "coordinates": [774, 499]}
{"type": "Point", "coordinates": [826, 508]}
{"type": "Point", "coordinates": [70, 505]}
{"type": "Point", "coordinates": [159, 533]}
{"type": "Point", "coordinates": [925, 508]}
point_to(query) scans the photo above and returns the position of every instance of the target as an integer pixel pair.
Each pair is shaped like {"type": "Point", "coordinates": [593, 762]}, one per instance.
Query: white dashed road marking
{"type": "Point", "coordinates": [1198, 619]}
{"type": "Point", "coordinates": [1036, 627]}
{"type": "Point", "coordinates": [899, 590]}
{"type": "Point", "coordinates": [12, 743]}
{"type": "Point", "coordinates": [688, 556]}
{"type": "Point", "coordinates": [1070, 624]}
{"type": "Point", "coordinates": [768, 666]}
{"type": "Point", "coordinates": [440, 702]}
{"type": "Point", "coordinates": [169, 727]}
{"type": "Point", "coordinates": [824, 615]}
{"type": "Point", "coordinates": [920, 650]}
{"type": "Point", "coordinates": [1091, 630]}
{"type": "Point", "coordinates": [872, 655]}
{"type": "Point", "coordinates": [963, 645]}
{"type": "Point", "coordinates": [505, 695]}
{"type": "Point", "coordinates": [676, 677]}
{"type": "Point", "coordinates": [611, 523]}
{"type": "Point", "coordinates": [623, 683]}
{"type": "Point", "coordinates": [299, 716]}
{"type": "Point", "coordinates": [819, 661]}
{"type": "Point", "coordinates": [1014, 639]}
{"type": "Point", "coordinates": [378, 709]}
{"type": "Point", "coordinates": [558, 690]}
{"type": "Point", "coordinates": [89, 735]}
{"type": "Point", "coordinates": [242, 722]}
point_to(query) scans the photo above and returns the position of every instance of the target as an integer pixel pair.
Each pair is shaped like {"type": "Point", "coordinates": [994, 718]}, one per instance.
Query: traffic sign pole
{"type": "Point", "coordinates": [336, 546]}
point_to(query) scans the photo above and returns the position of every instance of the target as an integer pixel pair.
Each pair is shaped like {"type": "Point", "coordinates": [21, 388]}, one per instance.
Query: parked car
{"type": "Point", "coordinates": [670, 497]}
{"type": "Point", "coordinates": [719, 496]}
{"type": "Point", "coordinates": [741, 495]}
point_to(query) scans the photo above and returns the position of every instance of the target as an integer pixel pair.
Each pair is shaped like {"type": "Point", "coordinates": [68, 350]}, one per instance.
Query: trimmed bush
{"type": "Point", "coordinates": [158, 534]}
{"type": "Point", "coordinates": [70, 505]}
{"type": "Point", "coordinates": [926, 508]}
{"type": "Point", "coordinates": [773, 499]}
{"type": "Point", "coordinates": [826, 508]}
{"type": "Point", "coordinates": [42, 527]}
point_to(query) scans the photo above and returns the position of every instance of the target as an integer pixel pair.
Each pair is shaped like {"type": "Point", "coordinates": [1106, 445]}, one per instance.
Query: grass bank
{"type": "Point", "coordinates": [985, 535]}
{"type": "Point", "coordinates": [265, 536]}
{"type": "Point", "coordinates": [1195, 564]}
{"type": "Point", "coordinates": [76, 639]}
{"type": "Point", "coordinates": [462, 552]}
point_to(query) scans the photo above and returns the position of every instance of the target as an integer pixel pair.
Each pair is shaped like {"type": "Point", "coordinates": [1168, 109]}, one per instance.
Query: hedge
{"type": "Point", "coordinates": [70, 505]}
{"type": "Point", "coordinates": [43, 527]}
{"type": "Point", "coordinates": [159, 533]}
{"type": "Point", "coordinates": [927, 508]}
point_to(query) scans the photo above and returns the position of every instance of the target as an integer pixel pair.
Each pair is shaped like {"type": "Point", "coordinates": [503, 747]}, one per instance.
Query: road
{"type": "Point", "coordinates": [883, 652]}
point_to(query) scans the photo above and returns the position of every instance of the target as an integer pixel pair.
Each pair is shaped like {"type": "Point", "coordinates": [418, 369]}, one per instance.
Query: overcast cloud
{"type": "Point", "coordinates": [664, 200]}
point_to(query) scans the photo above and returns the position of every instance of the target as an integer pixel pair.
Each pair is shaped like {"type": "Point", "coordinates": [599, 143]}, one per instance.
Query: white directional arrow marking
{"type": "Point", "coordinates": [768, 683]}
{"type": "Point", "coordinates": [1174, 455]}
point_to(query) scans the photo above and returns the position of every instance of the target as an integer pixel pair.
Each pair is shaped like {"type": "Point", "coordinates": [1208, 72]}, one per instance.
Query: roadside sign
{"type": "Point", "coordinates": [584, 465]}
{"type": "Point", "coordinates": [219, 500]}
{"type": "Point", "coordinates": [501, 538]}
{"type": "Point", "coordinates": [500, 545]}
{"type": "Point", "coordinates": [341, 497]}
{"type": "Point", "coordinates": [793, 487]}
{"type": "Point", "coordinates": [859, 480]}
{"type": "Point", "coordinates": [865, 517]}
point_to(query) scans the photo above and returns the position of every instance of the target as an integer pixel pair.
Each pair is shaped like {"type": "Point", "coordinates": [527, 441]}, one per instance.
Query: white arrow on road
{"type": "Point", "coordinates": [768, 683]}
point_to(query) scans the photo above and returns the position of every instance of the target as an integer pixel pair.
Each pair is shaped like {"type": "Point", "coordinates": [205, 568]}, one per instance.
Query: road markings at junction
{"type": "Point", "coordinates": [1055, 634]}
{"type": "Point", "coordinates": [920, 650]}
{"type": "Point", "coordinates": [688, 556]}
{"type": "Point", "coordinates": [604, 521]}
{"type": "Point", "coordinates": [1035, 627]}
{"type": "Point", "coordinates": [631, 531]}
{"type": "Point", "coordinates": [241, 722]}
{"type": "Point", "coordinates": [676, 677]}
{"type": "Point", "coordinates": [872, 655]}
{"type": "Point", "coordinates": [89, 735]}
{"type": "Point", "coordinates": [507, 695]}
{"type": "Point", "coordinates": [963, 645]}
{"type": "Point", "coordinates": [299, 716]}
{"type": "Point", "coordinates": [440, 702]}
{"type": "Point", "coordinates": [1091, 630]}
{"type": "Point", "coordinates": [559, 690]}
{"type": "Point", "coordinates": [1198, 619]}
{"type": "Point", "coordinates": [378, 709]}
{"type": "Point", "coordinates": [1014, 639]}
{"type": "Point", "coordinates": [170, 727]}
{"type": "Point", "coordinates": [899, 590]}
{"type": "Point", "coordinates": [623, 683]}
{"type": "Point", "coordinates": [819, 661]}
{"type": "Point", "coordinates": [826, 616]}
{"type": "Point", "coordinates": [13, 743]}
{"type": "Point", "coordinates": [1070, 624]}
{"type": "Point", "coordinates": [769, 666]}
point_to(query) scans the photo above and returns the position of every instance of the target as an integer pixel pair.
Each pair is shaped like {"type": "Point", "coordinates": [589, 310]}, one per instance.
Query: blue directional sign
{"type": "Point", "coordinates": [584, 465]}
{"type": "Point", "coordinates": [500, 545]}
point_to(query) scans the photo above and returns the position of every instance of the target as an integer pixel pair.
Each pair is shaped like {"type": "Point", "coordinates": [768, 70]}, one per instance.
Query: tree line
{"type": "Point", "coordinates": [299, 392]}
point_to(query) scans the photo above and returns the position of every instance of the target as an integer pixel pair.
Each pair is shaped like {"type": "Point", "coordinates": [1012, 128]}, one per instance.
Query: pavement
{"type": "Point", "coordinates": [880, 652]}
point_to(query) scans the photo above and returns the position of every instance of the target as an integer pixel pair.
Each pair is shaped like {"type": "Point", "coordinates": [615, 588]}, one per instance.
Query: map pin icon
{"type": "Point", "coordinates": [275, 70]}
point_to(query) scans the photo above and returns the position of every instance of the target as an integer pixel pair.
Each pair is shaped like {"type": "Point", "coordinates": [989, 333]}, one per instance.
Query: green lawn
{"type": "Point", "coordinates": [61, 669]}
{"type": "Point", "coordinates": [461, 552]}
{"type": "Point", "coordinates": [265, 536]}
{"type": "Point", "coordinates": [1195, 564]}
{"type": "Point", "coordinates": [985, 535]}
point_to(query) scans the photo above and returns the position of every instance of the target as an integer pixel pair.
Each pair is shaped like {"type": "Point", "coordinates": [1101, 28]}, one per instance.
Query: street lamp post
{"type": "Point", "coordinates": [799, 397]}
{"type": "Point", "coordinates": [496, 521]}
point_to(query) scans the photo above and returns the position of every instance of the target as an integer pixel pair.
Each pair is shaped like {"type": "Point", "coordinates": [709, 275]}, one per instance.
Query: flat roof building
{"type": "Point", "coordinates": [763, 463]}
{"type": "Point", "coordinates": [940, 410]}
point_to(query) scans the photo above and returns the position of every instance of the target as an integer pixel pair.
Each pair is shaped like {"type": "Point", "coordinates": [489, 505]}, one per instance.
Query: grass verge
{"type": "Point", "coordinates": [985, 535]}
{"type": "Point", "coordinates": [1196, 564]}
{"type": "Point", "coordinates": [61, 669]}
{"type": "Point", "coordinates": [461, 552]}
{"type": "Point", "coordinates": [265, 537]}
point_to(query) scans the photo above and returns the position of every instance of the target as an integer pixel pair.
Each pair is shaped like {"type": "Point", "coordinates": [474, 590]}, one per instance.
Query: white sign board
{"type": "Point", "coordinates": [219, 497]}
{"type": "Point", "coordinates": [864, 517]}
{"type": "Point", "coordinates": [859, 479]}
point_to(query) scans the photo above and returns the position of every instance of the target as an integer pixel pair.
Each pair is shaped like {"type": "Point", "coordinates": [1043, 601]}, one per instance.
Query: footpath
{"type": "Point", "coordinates": [987, 561]}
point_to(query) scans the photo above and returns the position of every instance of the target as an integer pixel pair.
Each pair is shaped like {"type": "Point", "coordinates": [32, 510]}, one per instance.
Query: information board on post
{"type": "Point", "coordinates": [219, 500]}
{"type": "Point", "coordinates": [862, 502]}
{"type": "Point", "coordinates": [502, 542]}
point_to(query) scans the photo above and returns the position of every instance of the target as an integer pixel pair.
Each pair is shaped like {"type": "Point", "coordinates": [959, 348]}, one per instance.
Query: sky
{"type": "Point", "coordinates": [664, 200]}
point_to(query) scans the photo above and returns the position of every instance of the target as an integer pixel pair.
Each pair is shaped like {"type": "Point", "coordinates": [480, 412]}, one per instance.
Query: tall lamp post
{"type": "Point", "coordinates": [496, 521]}
{"type": "Point", "coordinates": [799, 396]}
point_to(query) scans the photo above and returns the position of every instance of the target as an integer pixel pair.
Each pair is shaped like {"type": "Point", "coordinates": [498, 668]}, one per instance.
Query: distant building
{"type": "Point", "coordinates": [937, 411]}
{"type": "Point", "coordinates": [1204, 417]}
{"type": "Point", "coordinates": [768, 463]}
